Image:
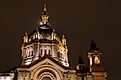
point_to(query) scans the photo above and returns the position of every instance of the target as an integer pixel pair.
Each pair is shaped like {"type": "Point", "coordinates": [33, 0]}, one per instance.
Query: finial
{"type": "Point", "coordinates": [53, 30]}
{"type": "Point", "coordinates": [37, 30]}
{"type": "Point", "coordinates": [63, 40]}
{"type": "Point", "coordinates": [37, 34]}
{"type": "Point", "coordinates": [45, 8]}
{"type": "Point", "coordinates": [26, 34]}
{"type": "Point", "coordinates": [80, 60]}
{"type": "Point", "coordinates": [53, 34]}
{"type": "Point", "coordinates": [25, 38]}
{"type": "Point", "coordinates": [63, 36]}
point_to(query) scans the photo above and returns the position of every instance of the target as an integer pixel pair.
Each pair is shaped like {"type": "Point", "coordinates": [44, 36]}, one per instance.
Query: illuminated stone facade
{"type": "Point", "coordinates": [45, 57]}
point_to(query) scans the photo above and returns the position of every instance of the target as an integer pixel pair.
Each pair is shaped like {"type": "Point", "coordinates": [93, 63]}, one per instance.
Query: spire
{"type": "Point", "coordinates": [93, 46]}
{"type": "Point", "coordinates": [44, 15]}
{"type": "Point", "coordinates": [80, 60]}
{"type": "Point", "coordinates": [45, 8]}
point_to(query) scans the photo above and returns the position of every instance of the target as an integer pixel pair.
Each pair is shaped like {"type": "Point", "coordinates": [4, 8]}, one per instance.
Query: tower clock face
{"type": "Point", "coordinates": [97, 60]}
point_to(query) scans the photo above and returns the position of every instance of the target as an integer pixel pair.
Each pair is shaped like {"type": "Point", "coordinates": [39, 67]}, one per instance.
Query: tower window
{"type": "Point", "coordinates": [32, 53]}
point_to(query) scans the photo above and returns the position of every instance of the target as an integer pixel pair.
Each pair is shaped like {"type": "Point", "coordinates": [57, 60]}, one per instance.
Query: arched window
{"type": "Point", "coordinates": [49, 52]}
{"type": "Point", "coordinates": [45, 51]}
{"type": "Point", "coordinates": [29, 54]}
{"type": "Point", "coordinates": [32, 54]}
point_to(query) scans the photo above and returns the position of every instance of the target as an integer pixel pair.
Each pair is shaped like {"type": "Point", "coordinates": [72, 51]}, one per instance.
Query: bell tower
{"type": "Point", "coordinates": [95, 64]}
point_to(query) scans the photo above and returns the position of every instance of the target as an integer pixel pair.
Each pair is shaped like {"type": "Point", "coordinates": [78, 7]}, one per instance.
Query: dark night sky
{"type": "Point", "coordinates": [80, 20]}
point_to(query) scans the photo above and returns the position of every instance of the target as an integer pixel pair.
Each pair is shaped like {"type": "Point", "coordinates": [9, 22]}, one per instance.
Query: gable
{"type": "Point", "coordinates": [46, 60]}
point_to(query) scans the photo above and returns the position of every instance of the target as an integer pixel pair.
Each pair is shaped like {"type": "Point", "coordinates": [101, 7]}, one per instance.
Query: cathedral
{"type": "Point", "coordinates": [44, 56]}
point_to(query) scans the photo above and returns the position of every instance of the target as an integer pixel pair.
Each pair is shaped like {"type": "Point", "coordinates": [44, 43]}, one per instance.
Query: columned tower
{"type": "Point", "coordinates": [95, 64]}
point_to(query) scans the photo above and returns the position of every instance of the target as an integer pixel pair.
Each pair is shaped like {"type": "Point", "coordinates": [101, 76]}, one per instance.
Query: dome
{"type": "Point", "coordinates": [43, 33]}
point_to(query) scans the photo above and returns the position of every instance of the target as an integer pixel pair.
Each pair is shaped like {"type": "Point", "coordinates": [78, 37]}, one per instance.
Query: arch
{"type": "Point", "coordinates": [39, 71]}
{"type": "Point", "coordinates": [47, 75]}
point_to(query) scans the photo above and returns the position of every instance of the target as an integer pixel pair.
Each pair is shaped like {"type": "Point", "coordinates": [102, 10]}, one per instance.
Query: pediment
{"type": "Point", "coordinates": [46, 61]}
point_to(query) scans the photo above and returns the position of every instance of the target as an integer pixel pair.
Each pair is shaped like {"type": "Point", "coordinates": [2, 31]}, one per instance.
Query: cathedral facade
{"type": "Point", "coordinates": [44, 56]}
